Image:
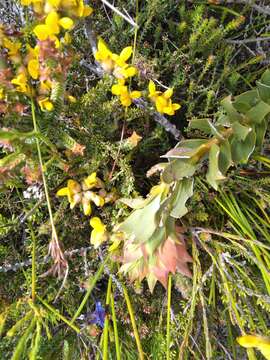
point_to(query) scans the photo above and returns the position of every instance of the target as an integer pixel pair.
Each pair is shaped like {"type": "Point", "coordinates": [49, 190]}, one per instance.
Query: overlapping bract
{"type": "Point", "coordinates": [230, 140]}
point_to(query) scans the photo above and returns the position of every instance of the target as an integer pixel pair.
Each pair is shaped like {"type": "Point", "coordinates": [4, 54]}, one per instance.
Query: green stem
{"type": "Point", "coordinates": [57, 314]}
{"type": "Point", "coordinates": [133, 323]}
{"type": "Point", "coordinates": [106, 325]}
{"type": "Point", "coordinates": [135, 32]}
{"type": "Point", "coordinates": [54, 234]}
{"type": "Point", "coordinates": [91, 285]}
{"type": "Point", "coordinates": [169, 298]}
{"type": "Point", "coordinates": [115, 330]}
{"type": "Point", "coordinates": [34, 276]}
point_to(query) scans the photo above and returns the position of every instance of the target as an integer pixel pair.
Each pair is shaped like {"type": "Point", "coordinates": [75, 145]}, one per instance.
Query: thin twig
{"type": "Point", "coordinates": [246, 41]}
{"type": "Point", "coordinates": [113, 8]}
{"type": "Point", "coordinates": [258, 8]}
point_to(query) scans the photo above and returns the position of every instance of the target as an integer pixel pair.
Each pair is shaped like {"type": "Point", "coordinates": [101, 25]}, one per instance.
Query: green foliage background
{"type": "Point", "coordinates": [185, 45]}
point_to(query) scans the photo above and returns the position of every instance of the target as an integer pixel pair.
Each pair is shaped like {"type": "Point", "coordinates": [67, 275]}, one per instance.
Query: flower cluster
{"type": "Point", "coordinates": [162, 101]}
{"type": "Point", "coordinates": [36, 71]}
{"type": "Point", "coordinates": [83, 194]}
{"type": "Point", "coordinates": [117, 66]}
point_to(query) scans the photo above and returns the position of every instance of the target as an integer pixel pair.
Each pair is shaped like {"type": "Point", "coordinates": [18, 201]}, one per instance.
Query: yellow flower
{"type": "Point", "coordinates": [54, 3]}
{"type": "Point", "coordinates": [121, 60]}
{"type": "Point", "coordinates": [81, 194]}
{"type": "Point", "coordinates": [98, 234]}
{"type": "Point", "coordinates": [45, 104]}
{"type": "Point", "coordinates": [162, 101]}
{"type": "Point", "coordinates": [152, 90]}
{"type": "Point", "coordinates": [37, 4]}
{"type": "Point", "coordinates": [2, 95]}
{"type": "Point", "coordinates": [90, 181]}
{"type": "Point", "coordinates": [66, 39]}
{"type": "Point", "coordinates": [124, 72]}
{"type": "Point", "coordinates": [21, 82]}
{"type": "Point", "coordinates": [122, 91]}
{"type": "Point", "coordinates": [72, 191]}
{"type": "Point", "coordinates": [83, 10]}
{"type": "Point", "coordinates": [104, 56]}
{"type": "Point", "coordinates": [13, 49]}
{"type": "Point", "coordinates": [260, 342]}
{"type": "Point", "coordinates": [71, 99]}
{"type": "Point", "coordinates": [33, 68]}
{"type": "Point", "coordinates": [52, 26]}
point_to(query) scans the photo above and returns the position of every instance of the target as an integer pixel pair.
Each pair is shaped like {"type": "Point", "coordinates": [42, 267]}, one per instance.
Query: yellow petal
{"type": "Point", "coordinates": [45, 104]}
{"type": "Point", "coordinates": [71, 99]}
{"type": "Point", "coordinates": [52, 22]}
{"type": "Point", "coordinates": [73, 186]}
{"type": "Point", "coordinates": [26, 2]}
{"type": "Point", "coordinates": [160, 104]}
{"type": "Point", "coordinates": [56, 41]}
{"type": "Point", "coordinates": [125, 101]}
{"type": "Point", "coordinates": [116, 89]}
{"type": "Point", "coordinates": [135, 94]}
{"type": "Point", "coordinates": [66, 23]}
{"type": "Point", "coordinates": [90, 181]}
{"type": "Point", "coordinates": [67, 38]}
{"type": "Point", "coordinates": [33, 68]}
{"type": "Point", "coordinates": [97, 224]}
{"type": "Point", "coordinates": [87, 11]}
{"type": "Point", "coordinates": [126, 53]}
{"type": "Point", "coordinates": [87, 209]}
{"type": "Point", "coordinates": [62, 192]}
{"type": "Point", "coordinates": [168, 93]}
{"type": "Point", "coordinates": [103, 51]}
{"type": "Point", "coordinates": [151, 87]}
{"type": "Point", "coordinates": [42, 32]}
{"type": "Point", "coordinates": [97, 238]}
{"type": "Point", "coordinates": [249, 341]}
{"type": "Point", "coordinates": [129, 72]}
{"type": "Point", "coordinates": [176, 106]}
{"type": "Point", "coordinates": [54, 3]}
{"type": "Point", "coordinates": [168, 111]}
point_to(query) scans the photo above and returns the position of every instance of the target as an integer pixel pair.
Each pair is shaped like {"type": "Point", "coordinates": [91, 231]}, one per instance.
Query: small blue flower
{"type": "Point", "coordinates": [98, 316]}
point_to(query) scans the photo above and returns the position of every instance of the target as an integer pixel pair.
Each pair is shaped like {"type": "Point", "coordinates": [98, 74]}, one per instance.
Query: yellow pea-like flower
{"type": "Point", "coordinates": [52, 26]}
{"type": "Point", "coordinates": [98, 234]}
{"type": "Point", "coordinates": [162, 101]}
{"type": "Point", "coordinates": [45, 104]}
{"type": "Point", "coordinates": [21, 82]}
{"type": "Point", "coordinates": [33, 68]}
{"type": "Point", "coordinates": [256, 341]}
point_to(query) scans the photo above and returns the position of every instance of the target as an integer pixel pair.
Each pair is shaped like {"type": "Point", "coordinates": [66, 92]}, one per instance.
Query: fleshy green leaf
{"type": "Point", "coordinates": [232, 114]}
{"type": "Point", "coordinates": [244, 102]}
{"type": "Point", "coordinates": [142, 223]}
{"type": "Point", "coordinates": [225, 157]}
{"type": "Point", "coordinates": [178, 169]}
{"type": "Point", "coordinates": [258, 112]}
{"type": "Point", "coordinates": [184, 190]}
{"type": "Point", "coordinates": [241, 150]}
{"type": "Point", "coordinates": [214, 175]}
{"type": "Point", "coordinates": [240, 131]}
